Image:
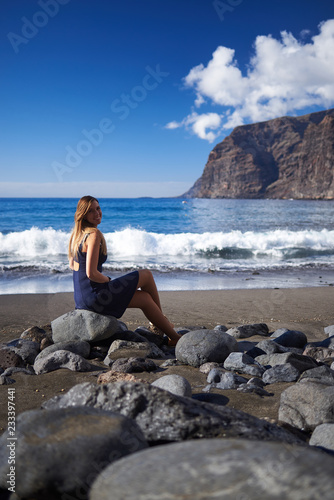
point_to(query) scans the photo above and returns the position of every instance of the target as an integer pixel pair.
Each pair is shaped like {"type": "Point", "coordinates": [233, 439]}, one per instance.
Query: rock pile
{"type": "Point", "coordinates": [97, 437]}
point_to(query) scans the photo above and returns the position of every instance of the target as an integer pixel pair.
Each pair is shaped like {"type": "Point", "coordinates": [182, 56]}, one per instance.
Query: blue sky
{"type": "Point", "coordinates": [127, 99]}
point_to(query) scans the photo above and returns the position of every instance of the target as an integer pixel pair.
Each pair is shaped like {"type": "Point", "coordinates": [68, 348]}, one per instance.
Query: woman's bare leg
{"type": "Point", "coordinates": [147, 284]}
{"type": "Point", "coordinates": [144, 301]}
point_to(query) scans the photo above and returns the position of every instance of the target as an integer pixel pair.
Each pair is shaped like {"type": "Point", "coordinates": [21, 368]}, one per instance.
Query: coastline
{"type": "Point", "coordinates": [305, 309]}
{"type": "Point", "coordinates": [308, 309]}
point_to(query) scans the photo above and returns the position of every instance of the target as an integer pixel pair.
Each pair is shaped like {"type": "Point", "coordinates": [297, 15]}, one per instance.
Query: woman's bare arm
{"type": "Point", "coordinates": [93, 250]}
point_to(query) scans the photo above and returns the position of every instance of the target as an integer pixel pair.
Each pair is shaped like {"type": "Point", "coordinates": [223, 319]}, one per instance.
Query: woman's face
{"type": "Point", "coordinates": [94, 214]}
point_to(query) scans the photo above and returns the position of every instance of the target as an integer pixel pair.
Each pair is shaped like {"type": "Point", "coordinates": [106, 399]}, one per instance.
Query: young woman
{"type": "Point", "coordinates": [95, 291]}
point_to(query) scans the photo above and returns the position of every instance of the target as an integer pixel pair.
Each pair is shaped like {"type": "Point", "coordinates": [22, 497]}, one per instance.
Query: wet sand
{"type": "Point", "coordinates": [305, 309]}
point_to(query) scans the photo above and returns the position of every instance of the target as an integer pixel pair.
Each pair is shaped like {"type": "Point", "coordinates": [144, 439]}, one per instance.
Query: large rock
{"type": "Point", "coordinates": [133, 365]}
{"type": "Point", "coordinates": [219, 470]}
{"type": "Point", "coordinates": [127, 349]}
{"type": "Point", "coordinates": [79, 347]}
{"type": "Point", "coordinates": [323, 436]}
{"type": "Point", "coordinates": [175, 384]}
{"type": "Point", "coordinates": [245, 331]}
{"type": "Point", "coordinates": [307, 405]}
{"type": "Point", "coordinates": [62, 359]}
{"type": "Point", "coordinates": [202, 346]}
{"type": "Point", "coordinates": [165, 417]}
{"type": "Point", "coordinates": [25, 348]}
{"type": "Point", "coordinates": [288, 157]}
{"type": "Point", "coordinates": [289, 338]}
{"type": "Point", "coordinates": [84, 325]}
{"type": "Point", "coordinates": [299, 361]}
{"type": "Point", "coordinates": [281, 373]}
{"type": "Point", "coordinates": [64, 450]}
{"type": "Point", "coordinates": [240, 362]}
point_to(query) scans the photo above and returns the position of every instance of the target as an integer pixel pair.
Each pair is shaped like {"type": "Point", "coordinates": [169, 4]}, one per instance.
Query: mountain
{"type": "Point", "coordinates": [288, 157]}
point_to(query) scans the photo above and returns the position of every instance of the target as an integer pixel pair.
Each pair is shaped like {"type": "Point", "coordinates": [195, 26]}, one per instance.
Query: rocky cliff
{"type": "Point", "coordinates": [288, 157]}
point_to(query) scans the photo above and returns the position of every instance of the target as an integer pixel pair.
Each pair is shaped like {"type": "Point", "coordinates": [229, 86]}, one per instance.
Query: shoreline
{"type": "Point", "coordinates": [308, 309]}
{"type": "Point", "coordinates": [305, 309]}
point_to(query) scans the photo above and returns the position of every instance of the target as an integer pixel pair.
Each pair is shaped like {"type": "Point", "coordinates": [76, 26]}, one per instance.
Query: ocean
{"type": "Point", "coordinates": [193, 244]}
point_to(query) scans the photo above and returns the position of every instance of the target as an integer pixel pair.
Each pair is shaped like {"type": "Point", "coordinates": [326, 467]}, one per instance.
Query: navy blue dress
{"type": "Point", "coordinates": [111, 298]}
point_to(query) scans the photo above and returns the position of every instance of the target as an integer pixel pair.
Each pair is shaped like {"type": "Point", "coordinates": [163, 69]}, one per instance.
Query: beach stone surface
{"type": "Point", "coordinates": [202, 346]}
{"type": "Point", "coordinates": [10, 358]}
{"type": "Point", "coordinates": [80, 347]}
{"type": "Point", "coordinates": [165, 417]}
{"type": "Point", "coordinates": [319, 353]}
{"type": "Point", "coordinates": [289, 338]}
{"type": "Point", "coordinates": [127, 349]}
{"type": "Point", "coordinates": [64, 450]}
{"type": "Point", "coordinates": [269, 346]}
{"type": "Point", "coordinates": [245, 331]}
{"type": "Point", "coordinates": [62, 359]}
{"type": "Point", "coordinates": [176, 384]}
{"type": "Point", "coordinates": [241, 363]}
{"type": "Point", "coordinates": [133, 365]}
{"type": "Point", "coordinates": [113, 376]}
{"type": "Point", "coordinates": [329, 330]}
{"type": "Point", "coordinates": [281, 373]}
{"type": "Point", "coordinates": [323, 435]}
{"type": "Point", "coordinates": [80, 324]}
{"type": "Point", "coordinates": [25, 348]}
{"type": "Point", "coordinates": [322, 374]}
{"type": "Point", "coordinates": [299, 361]}
{"type": "Point", "coordinates": [219, 469]}
{"type": "Point", "coordinates": [36, 334]}
{"type": "Point", "coordinates": [307, 405]}
{"type": "Point", "coordinates": [220, 379]}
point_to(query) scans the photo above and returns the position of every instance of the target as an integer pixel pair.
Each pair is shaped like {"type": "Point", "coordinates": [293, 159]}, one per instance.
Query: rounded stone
{"type": "Point", "coordinates": [175, 384]}
{"type": "Point", "coordinates": [203, 346]}
{"type": "Point", "coordinates": [219, 468]}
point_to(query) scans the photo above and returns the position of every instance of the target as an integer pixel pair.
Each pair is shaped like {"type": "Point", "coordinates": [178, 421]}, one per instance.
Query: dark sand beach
{"type": "Point", "coordinates": [306, 309]}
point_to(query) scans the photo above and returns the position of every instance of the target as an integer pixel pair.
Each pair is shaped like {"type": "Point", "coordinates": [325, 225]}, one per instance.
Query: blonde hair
{"type": "Point", "coordinates": [82, 227]}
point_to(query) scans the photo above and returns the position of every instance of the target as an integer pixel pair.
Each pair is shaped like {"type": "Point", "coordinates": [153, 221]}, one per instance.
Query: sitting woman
{"type": "Point", "coordinates": [97, 292]}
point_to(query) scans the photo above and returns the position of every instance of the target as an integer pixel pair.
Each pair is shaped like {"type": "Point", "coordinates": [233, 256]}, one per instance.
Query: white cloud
{"type": "Point", "coordinates": [199, 125]}
{"type": "Point", "coordinates": [98, 189]}
{"type": "Point", "coordinates": [284, 77]}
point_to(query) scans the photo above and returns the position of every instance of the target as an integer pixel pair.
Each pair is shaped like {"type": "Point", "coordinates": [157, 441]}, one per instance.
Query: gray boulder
{"type": "Point", "coordinates": [321, 354]}
{"type": "Point", "coordinates": [9, 358]}
{"type": "Point", "coordinates": [322, 375]}
{"type": "Point", "coordinates": [239, 362]}
{"type": "Point", "coordinates": [223, 380]}
{"type": "Point", "coordinates": [219, 469]}
{"type": "Point", "coordinates": [281, 373]}
{"type": "Point", "coordinates": [64, 450]}
{"type": "Point", "coordinates": [25, 348]}
{"type": "Point", "coordinates": [79, 347]}
{"type": "Point", "coordinates": [245, 331]}
{"type": "Point", "coordinates": [165, 417]}
{"type": "Point", "coordinates": [202, 346]}
{"type": "Point", "coordinates": [271, 347]}
{"type": "Point", "coordinates": [323, 343]}
{"type": "Point", "coordinates": [85, 325]}
{"type": "Point", "coordinates": [307, 405]}
{"type": "Point", "coordinates": [299, 361]}
{"type": "Point", "coordinates": [62, 359]}
{"type": "Point", "coordinates": [133, 365]}
{"type": "Point", "coordinates": [125, 348]}
{"type": "Point", "coordinates": [290, 338]}
{"type": "Point", "coordinates": [329, 330]}
{"type": "Point", "coordinates": [175, 384]}
{"type": "Point", "coordinates": [323, 436]}
{"type": "Point", "coordinates": [221, 328]}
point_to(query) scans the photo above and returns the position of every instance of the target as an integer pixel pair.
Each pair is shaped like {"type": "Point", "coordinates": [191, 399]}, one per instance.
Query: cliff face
{"type": "Point", "coordinates": [286, 157]}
